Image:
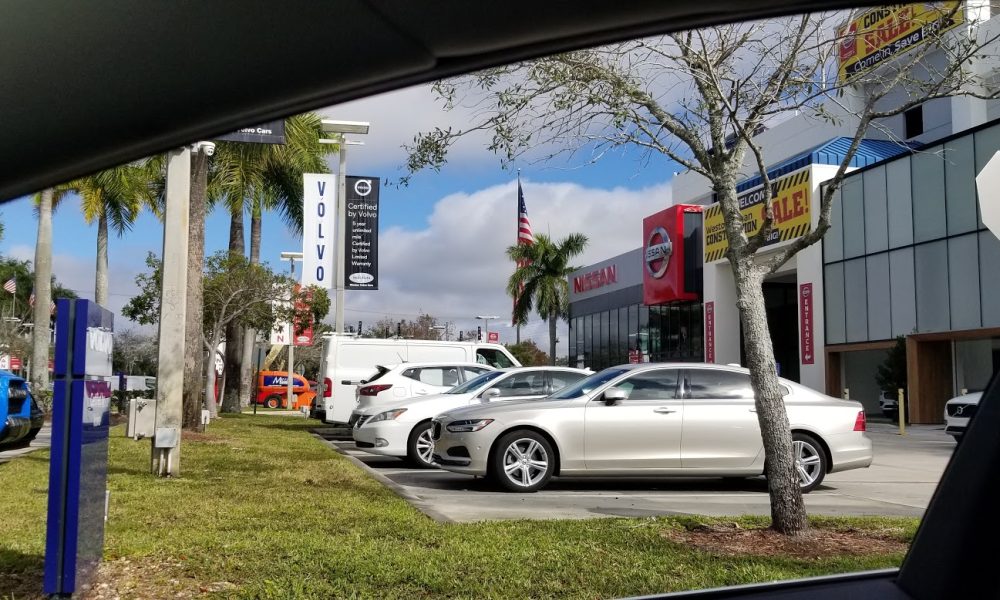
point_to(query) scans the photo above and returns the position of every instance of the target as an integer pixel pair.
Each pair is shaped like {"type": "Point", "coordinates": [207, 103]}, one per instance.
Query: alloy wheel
{"type": "Point", "coordinates": [525, 462]}
{"type": "Point", "coordinates": [808, 462]}
{"type": "Point", "coordinates": [425, 446]}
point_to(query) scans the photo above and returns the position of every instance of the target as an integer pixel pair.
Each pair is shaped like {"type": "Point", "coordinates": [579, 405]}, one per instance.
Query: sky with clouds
{"type": "Point", "coordinates": [442, 238]}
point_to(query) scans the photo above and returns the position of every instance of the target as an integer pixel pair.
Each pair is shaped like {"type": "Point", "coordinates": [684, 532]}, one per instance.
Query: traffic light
{"type": "Point", "coordinates": [399, 329]}
{"type": "Point", "coordinates": [460, 334]}
{"type": "Point", "coordinates": [479, 333]}
{"type": "Point", "coordinates": [360, 329]}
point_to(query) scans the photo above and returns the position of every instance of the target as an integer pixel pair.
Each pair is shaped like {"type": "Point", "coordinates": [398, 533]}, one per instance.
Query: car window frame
{"type": "Point", "coordinates": [599, 397]}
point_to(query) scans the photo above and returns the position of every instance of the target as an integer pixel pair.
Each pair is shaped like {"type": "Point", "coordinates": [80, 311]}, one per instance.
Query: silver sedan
{"type": "Point", "coordinates": [651, 419]}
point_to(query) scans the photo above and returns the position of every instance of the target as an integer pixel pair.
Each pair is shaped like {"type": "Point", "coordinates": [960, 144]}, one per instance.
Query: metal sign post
{"type": "Point", "coordinates": [78, 467]}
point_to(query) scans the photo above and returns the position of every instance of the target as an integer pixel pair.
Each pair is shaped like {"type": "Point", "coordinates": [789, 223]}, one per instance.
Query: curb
{"type": "Point", "coordinates": [401, 491]}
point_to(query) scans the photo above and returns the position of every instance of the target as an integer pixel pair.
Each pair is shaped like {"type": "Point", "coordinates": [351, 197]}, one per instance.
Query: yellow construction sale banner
{"type": "Point", "coordinates": [882, 33]}
{"type": "Point", "coordinates": [791, 201]}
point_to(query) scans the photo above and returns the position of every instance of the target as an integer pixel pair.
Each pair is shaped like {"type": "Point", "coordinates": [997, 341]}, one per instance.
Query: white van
{"type": "Point", "coordinates": [350, 361]}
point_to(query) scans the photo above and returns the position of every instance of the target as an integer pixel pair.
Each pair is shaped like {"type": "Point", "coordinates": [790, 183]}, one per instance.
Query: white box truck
{"type": "Point", "coordinates": [349, 361]}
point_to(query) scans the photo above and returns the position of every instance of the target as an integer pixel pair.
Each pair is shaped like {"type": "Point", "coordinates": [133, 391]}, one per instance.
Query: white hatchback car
{"type": "Point", "coordinates": [394, 383]}
{"type": "Point", "coordinates": [403, 430]}
{"type": "Point", "coordinates": [957, 413]}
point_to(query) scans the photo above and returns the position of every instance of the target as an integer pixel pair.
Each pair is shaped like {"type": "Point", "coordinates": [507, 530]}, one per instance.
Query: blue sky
{"type": "Point", "coordinates": [473, 181]}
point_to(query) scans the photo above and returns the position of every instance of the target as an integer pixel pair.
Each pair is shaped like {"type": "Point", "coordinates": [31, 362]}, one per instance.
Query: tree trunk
{"type": "Point", "coordinates": [234, 333]}
{"type": "Point", "coordinates": [249, 335]}
{"type": "Point", "coordinates": [553, 323]}
{"type": "Point", "coordinates": [193, 330]}
{"type": "Point", "coordinates": [43, 295]}
{"type": "Point", "coordinates": [101, 277]}
{"type": "Point", "coordinates": [788, 513]}
{"type": "Point", "coordinates": [210, 376]}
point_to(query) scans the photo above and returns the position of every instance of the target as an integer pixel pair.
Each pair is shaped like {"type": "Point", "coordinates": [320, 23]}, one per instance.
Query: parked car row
{"type": "Point", "coordinates": [521, 426]}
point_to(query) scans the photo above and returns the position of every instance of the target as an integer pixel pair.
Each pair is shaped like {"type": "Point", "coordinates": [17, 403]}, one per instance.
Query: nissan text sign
{"type": "Point", "coordinates": [361, 245]}
{"type": "Point", "coordinates": [318, 229]}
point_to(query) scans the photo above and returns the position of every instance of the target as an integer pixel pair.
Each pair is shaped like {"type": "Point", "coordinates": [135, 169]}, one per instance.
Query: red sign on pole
{"type": "Point", "coordinates": [302, 333]}
{"type": "Point", "coordinates": [494, 337]}
{"type": "Point", "coordinates": [634, 356]}
{"type": "Point", "coordinates": [15, 363]}
{"type": "Point", "coordinates": [806, 322]}
{"type": "Point", "coordinates": [710, 332]}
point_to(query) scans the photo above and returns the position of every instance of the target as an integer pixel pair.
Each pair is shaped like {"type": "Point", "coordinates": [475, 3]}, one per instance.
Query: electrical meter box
{"type": "Point", "coordinates": [141, 418]}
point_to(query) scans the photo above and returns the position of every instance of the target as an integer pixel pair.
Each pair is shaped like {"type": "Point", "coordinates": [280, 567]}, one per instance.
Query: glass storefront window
{"type": "Point", "coordinates": [643, 331]}
{"type": "Point", "coordinates": [571, 347]}
{"type": "Point", "coordinates": [588, 341]}
{"type": "Point", "coordinates": [603, 340]}
{"type": "Point", "coordinates": [614, 351]}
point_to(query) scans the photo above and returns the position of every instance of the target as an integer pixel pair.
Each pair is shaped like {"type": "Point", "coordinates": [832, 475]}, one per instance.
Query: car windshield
{"type": "Point", "coordinates": [588, 384]}
{"type": "Point", "coordinates": [475, 383]}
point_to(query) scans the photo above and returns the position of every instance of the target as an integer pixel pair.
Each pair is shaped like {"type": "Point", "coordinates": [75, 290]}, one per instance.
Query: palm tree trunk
{"type": "Point", "coordinates": [553, 322]}
{"type": "Point", "coordinates": [193, 330]}
{"type": "Point", "coordinates": [234, 333]}
{"type": "Point", "coordinates": [249, 335]}
{"type": "Point", "coordinates": [101, 277]}
{"type": "Point", "coordinates": [43, 295]}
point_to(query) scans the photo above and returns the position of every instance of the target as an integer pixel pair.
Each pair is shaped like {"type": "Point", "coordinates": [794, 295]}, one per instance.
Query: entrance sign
{"type": "Point", "coordinates": [988, 185]}
{"type": "Point", "coordinates": [74, 540]}
{"type": "Point", "coordinates": [361, 245]}
{"type": "Point", "coordinates": [880, 34]}
{"type": "Point", "coordinates": [710, 332]}
{"type": "Point", "coordinates": [318, 229]}
{"type": "Point", "coordinates": [790, 200]}
{"type": "Point", "coordinates": [268, 133]}
{"type": "Point", "coordinates": [806, 322]}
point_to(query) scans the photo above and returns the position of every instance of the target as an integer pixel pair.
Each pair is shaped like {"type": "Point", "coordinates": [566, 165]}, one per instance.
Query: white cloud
{"type": "Point", "coordinates": [456, 268]}
{"type": "Point", "coordinates": [77, 274]}
{"type": "Point", "coordinates": [396, 117]}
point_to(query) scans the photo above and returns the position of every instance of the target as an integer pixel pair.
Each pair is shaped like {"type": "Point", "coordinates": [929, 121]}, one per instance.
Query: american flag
{"type": "Point", "coordinates": [524, 237]}
{"type": "Point", "coordinates": [10, 286]}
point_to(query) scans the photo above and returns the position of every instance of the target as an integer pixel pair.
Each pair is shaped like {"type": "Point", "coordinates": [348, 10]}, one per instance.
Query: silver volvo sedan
{"type": "Point", "coordinates": [670, 419]}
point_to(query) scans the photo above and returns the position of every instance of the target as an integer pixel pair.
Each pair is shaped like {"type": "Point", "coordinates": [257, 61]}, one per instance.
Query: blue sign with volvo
{"type": "Point", "coordinates": [79, 464]}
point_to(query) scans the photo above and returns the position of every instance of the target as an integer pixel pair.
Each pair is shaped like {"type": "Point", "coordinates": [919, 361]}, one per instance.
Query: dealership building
{"type": "Point", "coordinates": [907, 255]}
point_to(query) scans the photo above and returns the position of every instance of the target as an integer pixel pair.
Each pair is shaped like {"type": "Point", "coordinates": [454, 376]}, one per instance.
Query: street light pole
{"type": "Point", "coordinates": [290, 257]}
{"type": "Point", "coordinates": [341, 129]}
{"type": "Point", "coordinates": [486, 324]}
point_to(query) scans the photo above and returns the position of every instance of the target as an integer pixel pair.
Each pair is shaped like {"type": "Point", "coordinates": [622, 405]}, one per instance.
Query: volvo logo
{"type": "Point", "coordinates": [959, 410]}
{"type": "Point", "coordinates": [363, 187]}
{"type": "Point", "coordinates": [658, 251]}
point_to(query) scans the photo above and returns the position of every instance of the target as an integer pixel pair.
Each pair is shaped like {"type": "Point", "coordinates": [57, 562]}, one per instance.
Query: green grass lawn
{"type": "Point", "coordinates": [264, 510]}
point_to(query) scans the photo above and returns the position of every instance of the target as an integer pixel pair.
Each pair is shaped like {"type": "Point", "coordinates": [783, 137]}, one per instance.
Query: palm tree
{"type": "Point", "coordinates": [254, 178]}
{"type": "Point", "coordinates": [43, 292]}
{"type": "Point", "coordinates": [542, 280]}
{"type": "Point", "coordinates": [114, 196]}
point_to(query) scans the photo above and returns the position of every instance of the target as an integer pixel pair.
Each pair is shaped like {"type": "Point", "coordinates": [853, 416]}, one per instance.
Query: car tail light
{"type": "Point", "coordinates": [327, 387]}
{"type": "Point", "coordinates": [373, 390]}
{"type": "Point", "coordinates": [859, 423]}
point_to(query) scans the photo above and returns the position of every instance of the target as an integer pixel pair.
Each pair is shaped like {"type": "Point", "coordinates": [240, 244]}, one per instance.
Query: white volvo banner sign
{"type": "Point", "coordinates": [319, 229]}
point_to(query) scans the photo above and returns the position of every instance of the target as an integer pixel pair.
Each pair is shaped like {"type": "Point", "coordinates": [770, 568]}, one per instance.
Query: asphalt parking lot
{"type": "Point", "coordinates": [900, 482]}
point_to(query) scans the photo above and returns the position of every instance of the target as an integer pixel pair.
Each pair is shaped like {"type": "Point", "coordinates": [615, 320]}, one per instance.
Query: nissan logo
{"type": "Point", "coordinates": [658, 249]}
{"type": "Point", "coordinates": [363, 187]}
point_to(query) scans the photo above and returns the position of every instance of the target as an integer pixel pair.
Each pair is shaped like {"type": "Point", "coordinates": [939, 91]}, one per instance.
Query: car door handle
{"type": "Point", "coordinates": [663, 410]}
{"type": "Point", "coordinates": [753, 410]}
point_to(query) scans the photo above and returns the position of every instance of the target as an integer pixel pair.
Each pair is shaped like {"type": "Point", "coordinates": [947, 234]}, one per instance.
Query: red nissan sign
{"type": "Point", "coordinates": [710, 332]}
{"type": "Point", "coordinates": [494, 337]}
{"type": "Point", "coordinates": [595, 279]}
{"type": "Point", "coordinates": [663, 236]}
{"type": "Point", "coordinates": [806, 322]}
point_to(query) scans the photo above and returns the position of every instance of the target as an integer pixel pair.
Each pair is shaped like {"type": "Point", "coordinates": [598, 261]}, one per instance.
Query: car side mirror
{"type": "Point", "coordinates": [490, 394]}
{"type": "Point", "coordinates": [613, 395]}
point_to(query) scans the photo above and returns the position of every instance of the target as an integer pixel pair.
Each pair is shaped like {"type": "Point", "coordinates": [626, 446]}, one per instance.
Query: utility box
{"type": "Point", "coordinates": [141, 418]}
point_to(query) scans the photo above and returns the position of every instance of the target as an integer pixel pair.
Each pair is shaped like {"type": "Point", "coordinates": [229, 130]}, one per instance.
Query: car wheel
{"type": "Point", "coordinates": [23, 442]}
{"type": "Point", "coordinates": [522, 461]}
{"type": "Point", "coordinates": [420, 447]}
{"type": "Point", "coordinates": [810, 461]}
{"type": "Point", "coordinates": [272, 402]}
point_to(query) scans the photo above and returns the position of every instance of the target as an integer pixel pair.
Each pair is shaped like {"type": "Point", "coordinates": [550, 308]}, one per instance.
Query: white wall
{"type": "Point", "coordinates": [719, 287]}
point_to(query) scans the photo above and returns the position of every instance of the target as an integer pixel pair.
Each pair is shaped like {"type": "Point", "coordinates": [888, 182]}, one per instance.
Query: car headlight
{"type": "Point", "coordinates": [468, 425]}
{"type": "Point", "coordinates": [388, 415]}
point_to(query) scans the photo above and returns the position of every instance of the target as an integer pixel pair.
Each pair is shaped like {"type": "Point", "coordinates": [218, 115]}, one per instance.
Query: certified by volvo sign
{"type": "Point", "coordinates": [658, 251]}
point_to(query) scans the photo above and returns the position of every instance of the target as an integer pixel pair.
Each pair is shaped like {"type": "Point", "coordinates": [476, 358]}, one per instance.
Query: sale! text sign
{"type": "Point", "coordinates": [790, 201]}
{"type": "Point", "coordinates": [883, 33]}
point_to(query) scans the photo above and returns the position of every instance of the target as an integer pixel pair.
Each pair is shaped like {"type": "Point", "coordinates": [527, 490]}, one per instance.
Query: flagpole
{"type": "Point", "coordinates": [517, 326]}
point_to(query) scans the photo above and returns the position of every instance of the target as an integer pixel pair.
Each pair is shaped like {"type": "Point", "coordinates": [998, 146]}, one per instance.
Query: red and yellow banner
{"type": "Point", "coordinates": [790, 200]}
{"type": "Point", "coordinates": [882, 33]}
